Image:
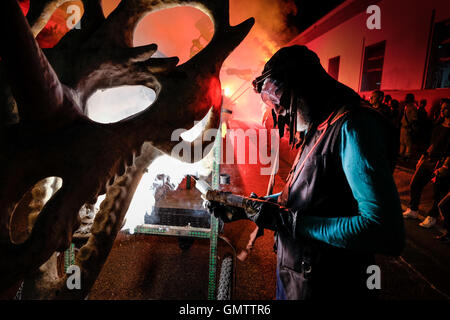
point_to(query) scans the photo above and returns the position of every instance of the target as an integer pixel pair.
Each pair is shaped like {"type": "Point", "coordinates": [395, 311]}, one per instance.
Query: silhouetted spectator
{"type": "Point", "coordinates": [408, 128]}
{"type": "Point", "coordinates": [422, 108]}
{"type": "Point", "coordinates": [376, 101]}
{"type": "Point", "coordinates": [430, 166]}
{"type": "Point", "coordinates": [424, 127]}
{"type": "Point", "coordinates": [435, 112]}
{"type": "Point", "coordinates": [395, 113]}
{"type": "Point", "coordinates": [387, 100]}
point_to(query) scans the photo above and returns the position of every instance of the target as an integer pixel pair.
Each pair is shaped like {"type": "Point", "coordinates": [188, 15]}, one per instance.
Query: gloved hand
{"type": "Point", "coordinates": [262, 212]}
{"type": "Point", "coordinates": [267, 198]}
{"type": "Point", "coordinates": [224, 212]}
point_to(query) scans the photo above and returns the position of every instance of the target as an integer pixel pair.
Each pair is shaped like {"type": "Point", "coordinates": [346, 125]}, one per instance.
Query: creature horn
{"type": "Point", "coordinates": [40, 12]}
{"type": "Point", "coordinates": [32, 79]}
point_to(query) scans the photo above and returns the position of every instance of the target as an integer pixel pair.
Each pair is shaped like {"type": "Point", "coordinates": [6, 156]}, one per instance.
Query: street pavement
{"type": "Point", "coordinates": [423, 269]}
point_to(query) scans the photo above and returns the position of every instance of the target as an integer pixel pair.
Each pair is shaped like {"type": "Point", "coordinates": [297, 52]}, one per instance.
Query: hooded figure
{"type": "Point", "coordinates": [340, 205]}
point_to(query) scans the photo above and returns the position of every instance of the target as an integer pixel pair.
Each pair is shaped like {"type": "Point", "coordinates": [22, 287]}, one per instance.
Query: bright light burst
{"type": "Point", "coordinates": [227, 91]}
{"type": "Point", "coordinates": [173, 172]}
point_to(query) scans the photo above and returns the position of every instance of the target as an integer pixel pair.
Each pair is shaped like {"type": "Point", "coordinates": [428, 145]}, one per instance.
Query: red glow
{"type": "Point", "coordinates": [56, 28]}
{"type": "Point", "coordinates": [174, 30]}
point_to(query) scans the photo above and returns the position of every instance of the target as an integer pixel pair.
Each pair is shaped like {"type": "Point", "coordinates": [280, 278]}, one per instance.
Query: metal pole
{"type": "Point", "coordinates": [214, 221]}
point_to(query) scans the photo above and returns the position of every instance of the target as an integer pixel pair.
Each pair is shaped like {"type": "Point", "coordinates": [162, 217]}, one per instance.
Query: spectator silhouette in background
{"type": "Point", "coordinates": [395, 113]}
{"type": "Point", "coordinates": [421, 110]}
{"type": "Point", "coordinates": [424, 128]}
{"type": "Point", "coordinates": [376, 101]}
{"type": "Point", "coordinates": [387, 100]}
{"type": "Point", "coordinates": [408, 126]}
{"type": "Point", "coordinates": [431, 166]}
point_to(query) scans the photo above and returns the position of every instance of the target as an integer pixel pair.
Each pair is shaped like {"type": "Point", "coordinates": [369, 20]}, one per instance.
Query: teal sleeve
{"type": "Point", "coordinates": [379, 225]}
{"type": "Point", "coordinates": [273, 197]}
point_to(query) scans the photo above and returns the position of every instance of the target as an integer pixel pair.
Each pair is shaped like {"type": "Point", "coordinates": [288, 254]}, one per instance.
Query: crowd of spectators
{"type": "Point", "coordinates": [424, 140]}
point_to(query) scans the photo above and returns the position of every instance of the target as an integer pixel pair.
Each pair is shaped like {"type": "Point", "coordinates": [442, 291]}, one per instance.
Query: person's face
{"type": "Point", "coordinates": [409, 100]}
{"type": "Point", "coordinates": [374, 98]}
{"type": "Point", "coordinates": [271, 94]}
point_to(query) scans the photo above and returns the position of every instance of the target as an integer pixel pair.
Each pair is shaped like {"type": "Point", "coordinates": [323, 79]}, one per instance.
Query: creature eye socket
{"type": "Point", "coordinates": [163, 28]}
{"type": "Point", "coordinates": [115, 104]}
{"type": "Point", "coordinates": [30, 206]}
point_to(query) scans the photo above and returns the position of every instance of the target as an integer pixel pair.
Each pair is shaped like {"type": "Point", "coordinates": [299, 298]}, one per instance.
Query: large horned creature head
{"type": "Point", "coordinates": [53, 137]}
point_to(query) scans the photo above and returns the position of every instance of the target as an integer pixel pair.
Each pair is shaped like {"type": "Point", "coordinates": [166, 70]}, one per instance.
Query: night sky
{"type": "Point", "coordinates": [309, 12]}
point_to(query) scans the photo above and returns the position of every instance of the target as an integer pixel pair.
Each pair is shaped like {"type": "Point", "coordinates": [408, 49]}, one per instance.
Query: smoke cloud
{"type": "Point", "coordinates": [271, 18]}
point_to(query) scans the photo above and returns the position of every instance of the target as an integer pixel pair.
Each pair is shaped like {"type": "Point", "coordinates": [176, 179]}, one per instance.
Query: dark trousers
{"type": "Point", "coordinates": [444, 207]}
{"type": "Point", "coordinates": [326, 274]}
{"type": "Point", "coordinates": [422, 176]}
{"type": "Point", "coordinates": [441, 187]}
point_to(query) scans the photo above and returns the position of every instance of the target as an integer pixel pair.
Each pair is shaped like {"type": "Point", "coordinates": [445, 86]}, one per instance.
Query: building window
{"type": "Point", "coordinates": [373, 66]}
{"type": "Point", "coordinates": [333, 67]}
{"type": "Point", "coordinates": [438, 75]}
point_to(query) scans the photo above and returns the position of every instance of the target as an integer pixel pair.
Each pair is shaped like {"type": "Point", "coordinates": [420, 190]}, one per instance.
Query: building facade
{"type": "Point", "coordinates": [410, 52]}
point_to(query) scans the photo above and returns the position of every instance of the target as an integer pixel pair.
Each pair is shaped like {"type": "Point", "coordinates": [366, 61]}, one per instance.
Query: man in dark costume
{"type": "Point", "coordinates": [340, 205]}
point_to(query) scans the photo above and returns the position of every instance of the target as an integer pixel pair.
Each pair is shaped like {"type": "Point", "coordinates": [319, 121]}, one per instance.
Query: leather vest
{"type": "Point", "coordinates": [309, 268]}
